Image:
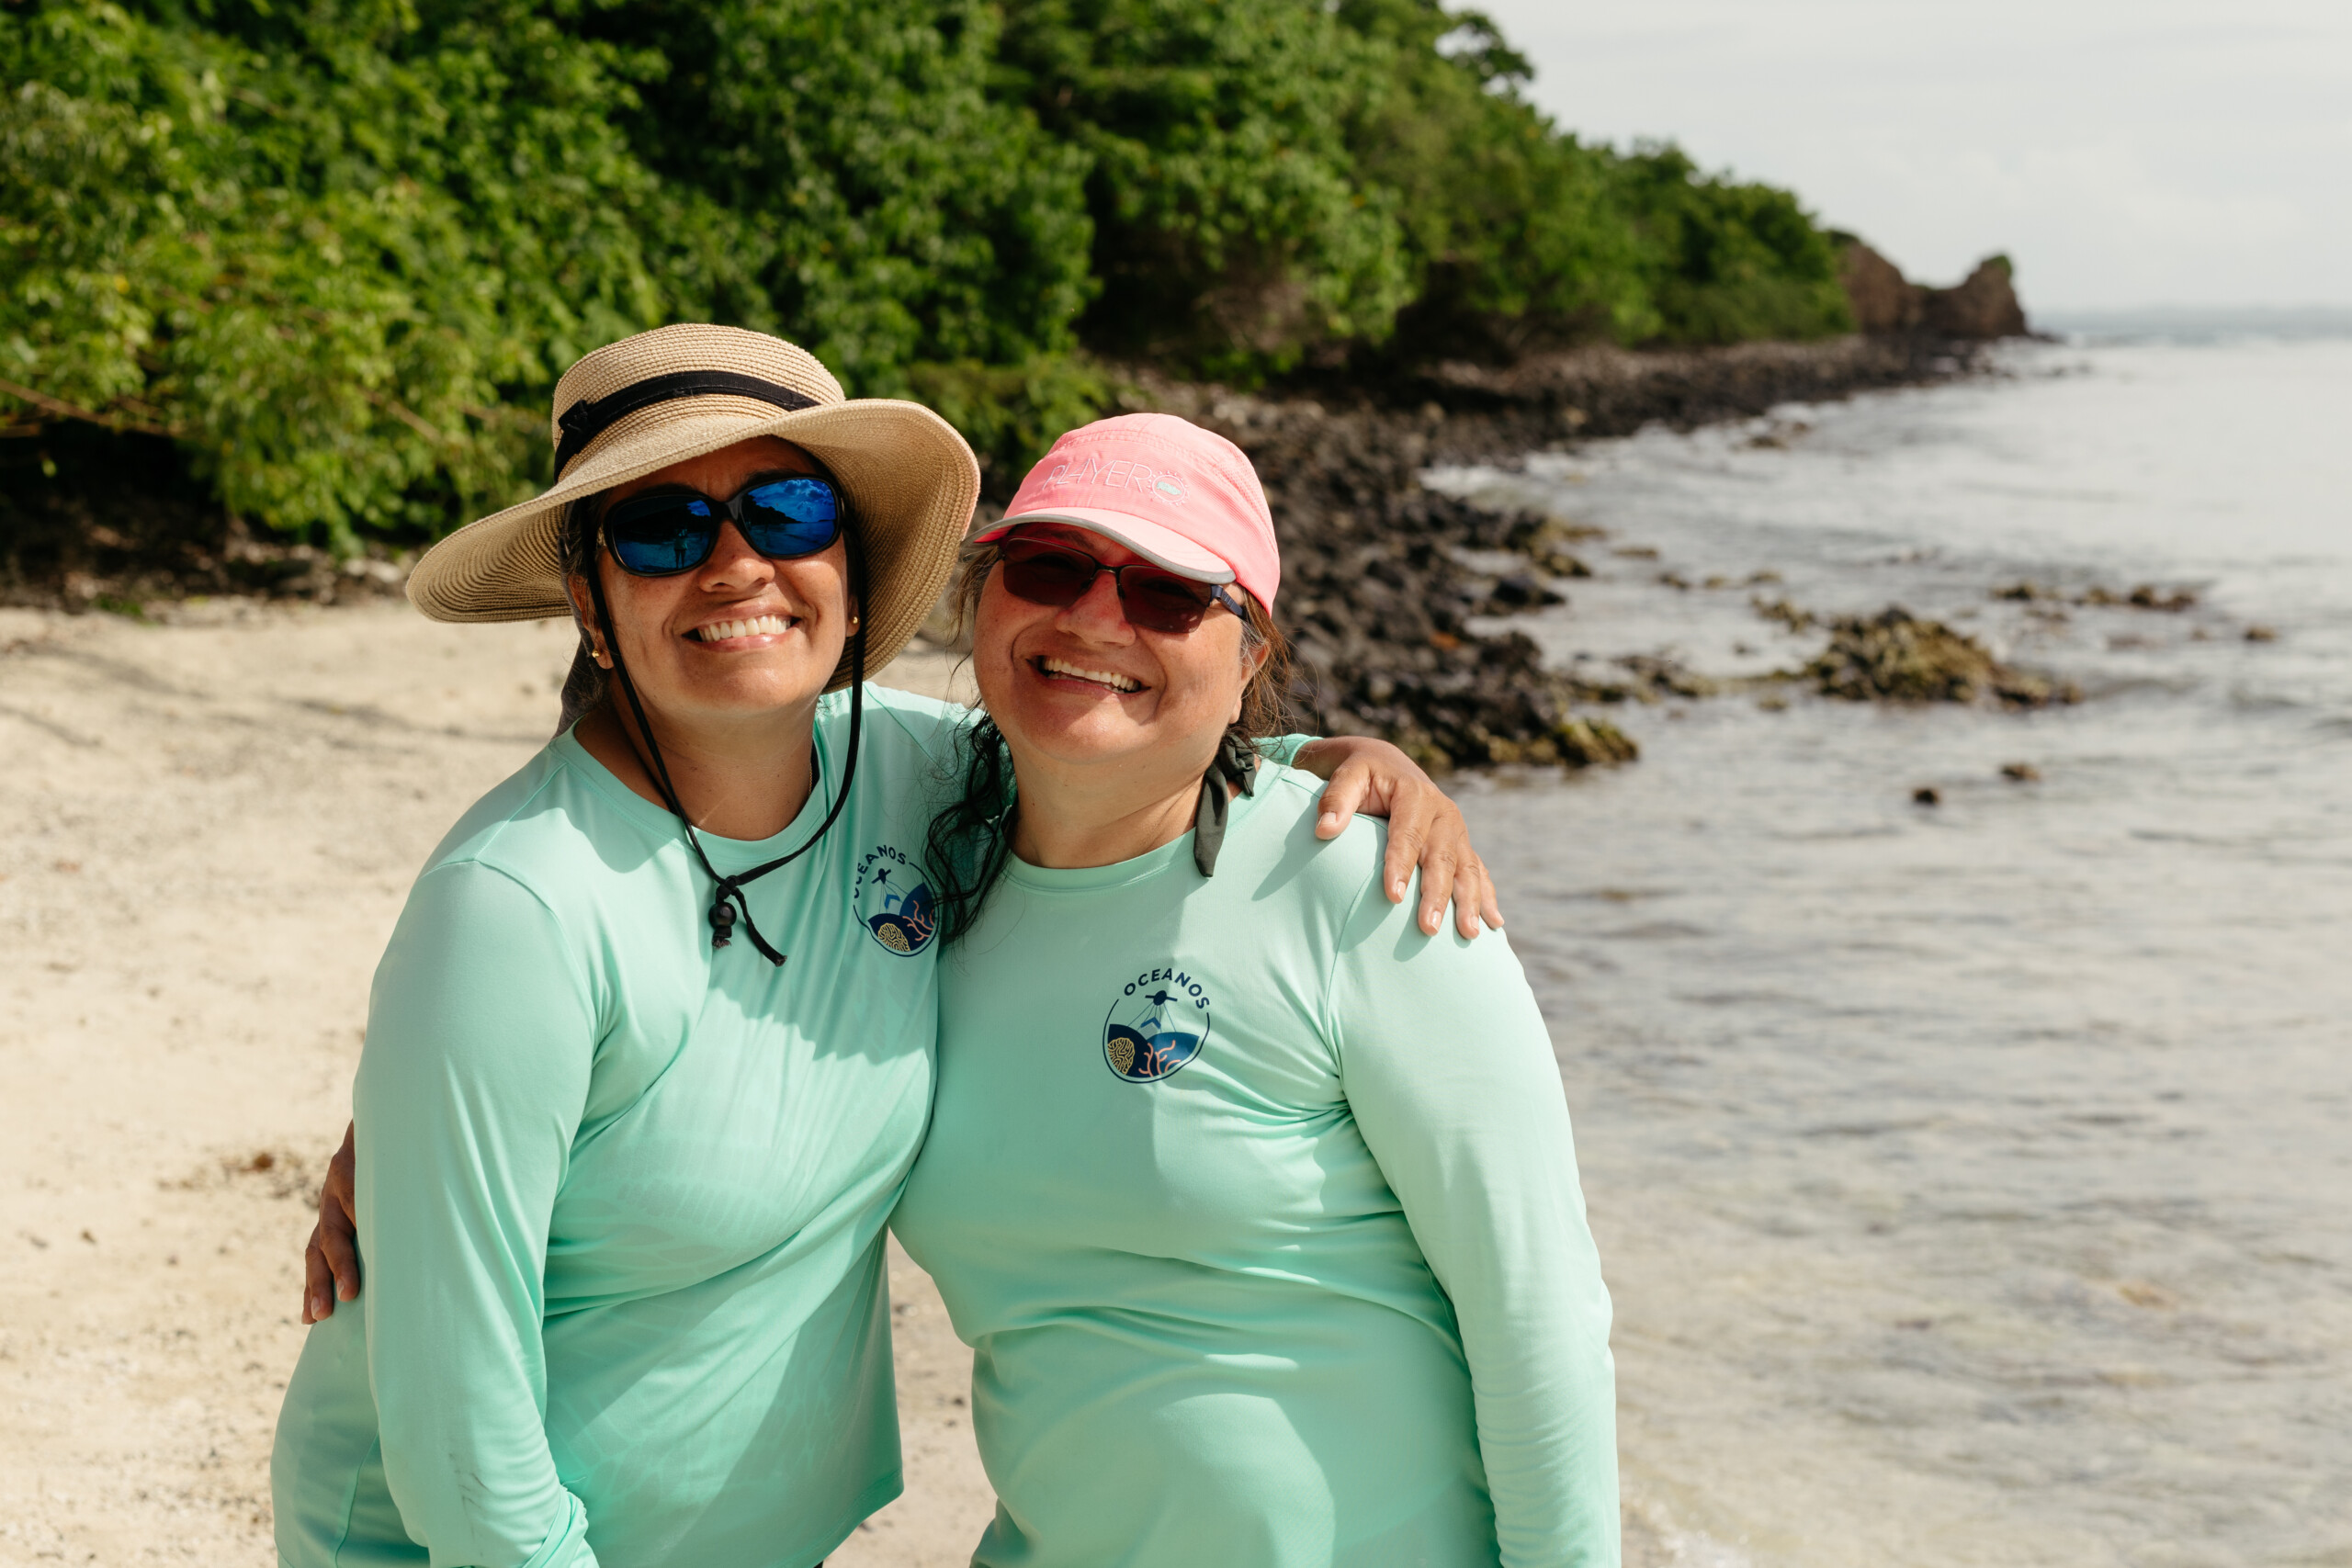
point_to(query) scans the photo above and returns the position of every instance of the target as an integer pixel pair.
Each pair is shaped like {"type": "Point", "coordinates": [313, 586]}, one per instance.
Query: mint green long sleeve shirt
{"type": "Point", "coordinates": [620, 1196]}
{"type": "Point", "coordinates": [1259, 1208]}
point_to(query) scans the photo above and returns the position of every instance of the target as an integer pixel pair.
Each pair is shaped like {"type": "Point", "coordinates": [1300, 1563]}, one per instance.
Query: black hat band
{"type": "Point", "coordinates": [583, 422]}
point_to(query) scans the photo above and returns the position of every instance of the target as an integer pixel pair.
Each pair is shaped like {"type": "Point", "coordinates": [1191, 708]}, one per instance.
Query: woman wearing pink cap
{"type": "Point", "coordinates": [578, 1364]}
{"type": "Point", "coordinates": [1256, 1201]}
{"type": "Point", "coordinates": [619, 1169]}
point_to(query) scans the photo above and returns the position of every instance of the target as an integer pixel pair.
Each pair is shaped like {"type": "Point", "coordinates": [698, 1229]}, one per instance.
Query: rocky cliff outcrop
{"type": "Point", "coordinates": [1884, 301]}
{"type": "Point", "coordinates": [1886, 304]}
{"type": "Point", "coordinates": [1984, 306]}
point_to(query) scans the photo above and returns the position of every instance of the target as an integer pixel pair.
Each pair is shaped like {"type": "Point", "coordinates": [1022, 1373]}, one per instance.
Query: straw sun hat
{"type": "Point", "coordinates": [645, 402]}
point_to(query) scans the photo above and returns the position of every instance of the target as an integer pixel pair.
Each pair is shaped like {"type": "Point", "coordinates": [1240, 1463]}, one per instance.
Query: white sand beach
{"type": "Point", "coordinates": [209, 827]}
{"type": "Point", "coordinates": [206, 829]}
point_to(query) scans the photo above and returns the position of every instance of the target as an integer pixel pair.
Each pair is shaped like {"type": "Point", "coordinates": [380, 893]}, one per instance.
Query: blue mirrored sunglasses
{"type": "Point", "coordinates": [667, 532]}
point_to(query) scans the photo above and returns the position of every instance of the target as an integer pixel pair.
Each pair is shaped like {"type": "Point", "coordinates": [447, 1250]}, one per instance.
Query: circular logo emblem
{"type": "Point", "coordinates": [893, 900]}
{"type": "Point", "coordinates": [1156, 1026]}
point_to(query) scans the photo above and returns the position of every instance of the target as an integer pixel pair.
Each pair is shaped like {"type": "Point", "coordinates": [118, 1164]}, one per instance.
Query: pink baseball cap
{"type": "Point", "coordinates": [1179, 496]}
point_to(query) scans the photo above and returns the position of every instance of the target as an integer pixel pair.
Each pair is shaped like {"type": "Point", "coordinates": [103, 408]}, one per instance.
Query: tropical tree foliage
{"type": "Point", "coordinates": [339, 250]}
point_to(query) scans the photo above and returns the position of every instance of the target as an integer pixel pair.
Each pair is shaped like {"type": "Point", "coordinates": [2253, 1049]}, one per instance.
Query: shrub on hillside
{"type": "Point", "coordinates": [339, 250]}
{"type": "Point", "coordinates": [1233, 226]}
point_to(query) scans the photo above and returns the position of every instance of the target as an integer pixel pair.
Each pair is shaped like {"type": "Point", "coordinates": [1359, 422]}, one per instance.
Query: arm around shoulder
{"type": "Point", "coordinates": [1450, 1073]}
{"type": "Point", "coordinates": [481, 1032]}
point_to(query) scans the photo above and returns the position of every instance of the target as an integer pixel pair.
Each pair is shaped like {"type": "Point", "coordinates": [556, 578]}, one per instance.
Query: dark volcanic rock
{"type": "Point", "coordinates": [1378, 603]}
{"type": "Point", "coordinates": [1486, 411]}
{"type": "Point", "coordinates": [1373, 592]}
{"type": "Point", "coordinates": [1894, 655]}
{"type": "Point", "coordinates": [2145, 596]}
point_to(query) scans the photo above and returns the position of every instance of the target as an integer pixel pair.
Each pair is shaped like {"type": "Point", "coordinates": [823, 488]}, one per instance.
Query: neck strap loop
{"type": "Point", "coordinates": [727, 893]}
{"type": "Point", "coordinates": [1236, 764]}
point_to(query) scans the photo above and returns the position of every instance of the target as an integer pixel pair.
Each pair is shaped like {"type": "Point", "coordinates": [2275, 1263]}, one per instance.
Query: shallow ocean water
{"type": "Point", "coordinates": [1974, 1180]}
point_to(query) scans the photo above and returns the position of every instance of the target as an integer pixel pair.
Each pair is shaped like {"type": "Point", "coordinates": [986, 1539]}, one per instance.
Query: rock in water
{"type": "Point", "coordinates": [1894, 655]}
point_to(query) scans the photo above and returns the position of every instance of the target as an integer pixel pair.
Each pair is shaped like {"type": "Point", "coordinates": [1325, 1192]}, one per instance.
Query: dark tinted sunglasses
{"type": "Point", "coordinates": [1151, 597]}
{"type": "Point", "coordinates": [669, 532]}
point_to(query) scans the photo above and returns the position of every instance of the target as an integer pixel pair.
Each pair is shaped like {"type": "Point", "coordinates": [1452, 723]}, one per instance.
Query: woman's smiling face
{"type": "Point", "coordinates": [739, 635]}
{"type": "Point", "coordinates": [1080, 686]}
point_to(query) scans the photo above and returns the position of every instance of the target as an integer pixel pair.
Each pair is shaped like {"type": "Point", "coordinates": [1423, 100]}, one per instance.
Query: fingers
{"type": "Point", "coordinates": [1466, 879]}
{"type": "Point", "coordinates": [335, 1242]}
{"type": "Point", "coordinates": [1473, 898]}
{"type": "Point", "coordinates": [1426, 831]}
{"type": "Point", "coordinates": [338, 1243]}
{"type": "Point", "coordinates": [1490, 907]}
{"type": "Point", "coordinates": [1412, 817]}
{"type": "Point", "coordinates": [318, 1298]}
{"type": "Point", "coordinates": [1450, 870]}
{"type": "Point", "coordinates": [1419, 835]}
{"type": "Point", "coordinates": [340, 1184]}
{"type": "Point", "coordinates": [1405, 846]}
{"type": "Point", "coordinates": [1342, 797]}
{"type": "Point", "coordinates": [1438, 876]}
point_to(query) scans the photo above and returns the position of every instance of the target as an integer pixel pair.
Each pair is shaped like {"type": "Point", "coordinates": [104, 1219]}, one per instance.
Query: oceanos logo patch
{"type": "Point", "coordinates": [1160, 1023]}
{"type": "Point", "coordinates": [893, 898]}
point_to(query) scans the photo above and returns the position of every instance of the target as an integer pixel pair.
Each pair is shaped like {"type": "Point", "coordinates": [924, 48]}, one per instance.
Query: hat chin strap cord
{"type": "Point", "coordinates": [728, 897]}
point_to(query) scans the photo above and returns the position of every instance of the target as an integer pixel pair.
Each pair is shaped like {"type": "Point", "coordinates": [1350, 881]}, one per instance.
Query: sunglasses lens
{"type": "Point", "coordinates": [1162, 601]}
{"type": "Point", "coordinates": [662, 535]}
{"type": "Point", "coordinates": [1043, 575]}
{"type": "Point", "coordinates": [784, 519]}
{"type": "Point", "coordinates": [1154, 600]}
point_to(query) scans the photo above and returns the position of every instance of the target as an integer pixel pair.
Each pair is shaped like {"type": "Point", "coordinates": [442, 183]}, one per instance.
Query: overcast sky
{"type": "Point", "coordinates": [2124, 152]}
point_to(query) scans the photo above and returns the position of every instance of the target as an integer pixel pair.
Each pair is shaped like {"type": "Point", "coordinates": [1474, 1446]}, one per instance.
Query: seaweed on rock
{"type": "Point", "coordinates": [1895, 656]}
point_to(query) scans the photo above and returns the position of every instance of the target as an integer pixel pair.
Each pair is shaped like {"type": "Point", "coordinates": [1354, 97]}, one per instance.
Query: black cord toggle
{"type": "Point", "coordinates": [729, 897]}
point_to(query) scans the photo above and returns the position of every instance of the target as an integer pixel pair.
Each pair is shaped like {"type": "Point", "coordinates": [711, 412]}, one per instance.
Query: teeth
{"type": "Point", "coordinates": [758, 625]}
{"type": "Point", "coordinates": [1099, 677]}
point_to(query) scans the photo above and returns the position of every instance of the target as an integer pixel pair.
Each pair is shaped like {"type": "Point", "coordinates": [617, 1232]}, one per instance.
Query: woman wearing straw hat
{"type": "Point", "coordinates": [650, 1052]}
{"type": "Point", "coordinates": [1257, 1203]}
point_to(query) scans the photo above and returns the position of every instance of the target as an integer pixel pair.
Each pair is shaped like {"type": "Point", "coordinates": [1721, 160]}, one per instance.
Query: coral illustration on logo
{"type": "Point", "coordinates": [894, 900]}
{"type": "Point", "coordinates": [1158, 1025]}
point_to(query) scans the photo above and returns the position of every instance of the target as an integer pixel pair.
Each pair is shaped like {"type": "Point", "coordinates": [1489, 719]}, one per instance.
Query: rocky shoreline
{"type": "Point", "coordinates": [1376, 595]}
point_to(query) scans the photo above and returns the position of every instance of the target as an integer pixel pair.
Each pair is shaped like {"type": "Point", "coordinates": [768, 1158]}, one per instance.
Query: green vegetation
{"type": "Point", "coordinates": [339, 250]}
